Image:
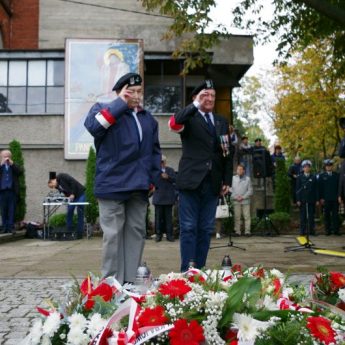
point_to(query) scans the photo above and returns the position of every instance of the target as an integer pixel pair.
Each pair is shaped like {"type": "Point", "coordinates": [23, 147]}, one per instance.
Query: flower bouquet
{"type": "Point", "coordinates": [215, 307]}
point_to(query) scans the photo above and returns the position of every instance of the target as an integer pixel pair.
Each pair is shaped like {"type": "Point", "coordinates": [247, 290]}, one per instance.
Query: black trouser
{"type": "Point", "coordinates": [163, 220]}
{"type": "Point", "coordinates": [331, 213]}
{"type": "Point", "coordinates": [307, 213]}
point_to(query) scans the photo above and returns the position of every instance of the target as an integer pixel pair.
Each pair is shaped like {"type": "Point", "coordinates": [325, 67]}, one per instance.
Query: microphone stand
{"type": "Point", "coordinates": [307, 245]}
{"type": "Point", "coordinates": [230, 242]}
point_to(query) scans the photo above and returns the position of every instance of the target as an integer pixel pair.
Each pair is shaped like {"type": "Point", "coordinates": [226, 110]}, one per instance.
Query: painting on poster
{"type": "Point", "coordinates": [92, 68]}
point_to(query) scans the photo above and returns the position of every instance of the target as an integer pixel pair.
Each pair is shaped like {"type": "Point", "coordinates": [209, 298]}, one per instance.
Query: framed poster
{"type": "Point", "coordinates": [92, 68]}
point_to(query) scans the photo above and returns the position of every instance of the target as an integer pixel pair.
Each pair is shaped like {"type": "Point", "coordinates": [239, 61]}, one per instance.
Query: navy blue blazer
{"type": "Point", "coordinates": [165, 193]}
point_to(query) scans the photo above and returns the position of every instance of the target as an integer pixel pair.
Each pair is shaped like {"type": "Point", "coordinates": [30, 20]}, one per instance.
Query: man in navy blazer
{"type": "Point", "coordinates": [164, 198]}
{"type": "Point", "coordinates": [205, 172]}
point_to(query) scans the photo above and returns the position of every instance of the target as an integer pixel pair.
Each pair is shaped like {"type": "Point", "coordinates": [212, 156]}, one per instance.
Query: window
{"type": "Point", "coordinates": [163, 93]}
{"type": "Point", "coordinates": [32, 86]}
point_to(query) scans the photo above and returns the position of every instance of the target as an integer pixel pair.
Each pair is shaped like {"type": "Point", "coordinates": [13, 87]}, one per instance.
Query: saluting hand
{"type": "Point", "coordinates": [125, 94]}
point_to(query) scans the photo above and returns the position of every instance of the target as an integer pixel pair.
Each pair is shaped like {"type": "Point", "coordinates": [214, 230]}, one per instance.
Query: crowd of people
{"type": "Point", "coordinates": [130, 167]}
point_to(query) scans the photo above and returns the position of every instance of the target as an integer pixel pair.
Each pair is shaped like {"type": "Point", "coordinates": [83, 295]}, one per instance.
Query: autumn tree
{"type": "Point", "coordinates": [310, 102]}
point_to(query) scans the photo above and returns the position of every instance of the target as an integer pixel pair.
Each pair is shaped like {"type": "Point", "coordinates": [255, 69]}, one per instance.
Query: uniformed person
{"type": "Point", "coordinates": [307, 198]}
{"type": "Point", "coordinates": [328, 194]}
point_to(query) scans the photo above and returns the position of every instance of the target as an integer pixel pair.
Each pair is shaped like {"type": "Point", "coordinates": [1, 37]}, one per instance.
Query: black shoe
{"type": "Point", "coordinates": [235, 234]}
{"type": "Point", "coordinates": [337, 233]}
{"type": "Point", "coordinates": [170, 239]}
{"type": "Point", "coordinates": [79, 236]}
{"type": "Point", "coordinates": [328, 233]}
{"type": "Point", "coordinates": [158, 238]}
{"type": "Point", "coordinates": [248, 235]}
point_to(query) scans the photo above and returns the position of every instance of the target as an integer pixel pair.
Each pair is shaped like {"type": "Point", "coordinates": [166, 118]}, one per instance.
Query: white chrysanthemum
{"type": "Point", "coordinates": [341, 294]}
{"type": "Point", "coordinates": [45, 340]}
{"type": "Point", "coordinates": [36, 333]}
{"type": "Point", "coordinates": [51, 324]}
{"type": "Point", "coordinates": [95, 324]}
{"type": "Point", "coordinates": [287, 291]}
{"type": "Point", "coordinates": [77, 337]}
{"type": "Point", "coordinates": [276, 273]}
{"type": "Point", "coordinates": [269, 303]}
{"type": "Point", "coordinates": [216, 299]}
{"type": "Point", "coordinates": [77, 321]}
{"type": "Point", "coordinates": [248, 328]}
{"type": "Point", "coordinates": [170, 276]}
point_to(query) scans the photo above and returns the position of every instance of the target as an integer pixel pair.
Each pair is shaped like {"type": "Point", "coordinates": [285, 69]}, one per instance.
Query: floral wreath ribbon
{"type": "Point", "coordinates": [128, 337]}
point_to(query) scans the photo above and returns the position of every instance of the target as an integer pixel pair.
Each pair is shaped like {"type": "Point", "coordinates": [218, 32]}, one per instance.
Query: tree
{"type": "Point", "coordinates": [251, 102]}
{"type": "Point", "coordinates": [17, 157]}
{"type": "Point", "coordinates": [310, 102]}
{"type": "Point", "coordinates": [297, 23]}
{"type": "Point", "coordinates": [91, 211]}
{"type": "Point", "coordinates": [282, 188]}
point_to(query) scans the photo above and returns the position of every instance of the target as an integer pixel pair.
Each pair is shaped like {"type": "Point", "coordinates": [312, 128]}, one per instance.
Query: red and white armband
{"type": "Point", "coordinates": [175, 127]}
{"type": "Point", "coordinates": [105, 118]}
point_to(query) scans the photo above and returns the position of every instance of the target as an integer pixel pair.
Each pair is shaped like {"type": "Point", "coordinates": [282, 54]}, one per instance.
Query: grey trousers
{"type": "Point", "coordinates": [124, 228]}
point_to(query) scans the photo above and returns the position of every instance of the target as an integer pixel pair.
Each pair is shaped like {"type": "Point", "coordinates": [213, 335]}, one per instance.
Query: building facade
{"type": "Point", "coordinates": [32, 77]}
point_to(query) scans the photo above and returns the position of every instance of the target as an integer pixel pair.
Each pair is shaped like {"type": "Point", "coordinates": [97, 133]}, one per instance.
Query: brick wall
{"type": "Point", "coordinates": [20, 27]}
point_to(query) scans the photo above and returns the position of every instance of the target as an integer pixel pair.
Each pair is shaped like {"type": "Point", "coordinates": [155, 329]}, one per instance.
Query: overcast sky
{"type": "Point", "coordinates": [263, 55]}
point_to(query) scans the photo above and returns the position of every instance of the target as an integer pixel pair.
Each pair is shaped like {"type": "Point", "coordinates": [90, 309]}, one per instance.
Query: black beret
{"type": "Point", "coordinates": [130, 79]}
{"type": "Point", "coordinates": [52, 175]}
{"type": "Point", "coordinates": [342, 122]}
{"type": "Point", "coordinates": [257, 139]}
{"type": "Point", "coordinates": [206, 84]}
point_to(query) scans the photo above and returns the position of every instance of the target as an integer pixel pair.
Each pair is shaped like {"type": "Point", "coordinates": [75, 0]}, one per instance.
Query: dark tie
{"type": "Point", "coordinates": [209, 122]}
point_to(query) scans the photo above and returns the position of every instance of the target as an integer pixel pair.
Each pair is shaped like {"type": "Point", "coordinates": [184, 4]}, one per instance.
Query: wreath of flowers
{"type": "Point", "coordinates": [238, 306]}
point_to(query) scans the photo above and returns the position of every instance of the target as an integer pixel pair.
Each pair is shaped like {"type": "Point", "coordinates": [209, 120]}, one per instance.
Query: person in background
{"type": "Point", "coordinates": [164, 198]}
{"type": "Point", "coordinates": [277, 154]}
{"type": "Point", "coordinates": [9, 190]}
{"type": "Point", "coordinates": [75, 191]}
{"type": "Point", "coordinates": [241, 191]}
{"type": "Point", "coordinates": [294, 171]}
{"type": "Point", "coordinates": [128, 164]}
{"type": "Point", "coordinates": [245, 151]}
{"type": "Point", "coordinates": [328, 194]}
{"type": "Point", "coordinates": [205, 172]}
{"type": "Point", "coordinates": [307, 198]}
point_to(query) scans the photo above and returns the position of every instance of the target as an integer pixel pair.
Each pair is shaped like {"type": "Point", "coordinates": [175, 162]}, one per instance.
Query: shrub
{"type": "Point", "coordinates": [17, 157]}
{"type": "Point", "coordinates": [59, 220]}
{"type": "Point", "coordinates": [282, 188]}
{"type": "Point", "coordinates": [91, 210]}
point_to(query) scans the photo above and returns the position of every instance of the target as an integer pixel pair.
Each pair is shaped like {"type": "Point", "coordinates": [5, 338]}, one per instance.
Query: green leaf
{"type": "Point", "coordinates": [244, 292]}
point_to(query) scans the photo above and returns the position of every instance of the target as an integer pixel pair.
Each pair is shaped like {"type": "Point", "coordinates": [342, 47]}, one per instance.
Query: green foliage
{"type": "Point", "coordinates": [296, 24]}
{"type": "Point", "coordinates": [282, 187]}
{"type": "Point", "coordinates": [59, 220]}
{"type": "Point", "coordinates": [190, 22]}
{"type": "Point", "coordinates": [17, 157]}
{"type": "Point", "coordinates": [285, 334]}
{"type": "Point", "coordinates": [246, 289]}
{"type": "Point", "coordinates": [91, 210]}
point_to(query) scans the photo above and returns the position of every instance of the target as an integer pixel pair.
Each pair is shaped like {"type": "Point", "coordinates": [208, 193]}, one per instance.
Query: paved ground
{"type": "Point", "coordinates": [34, 270]}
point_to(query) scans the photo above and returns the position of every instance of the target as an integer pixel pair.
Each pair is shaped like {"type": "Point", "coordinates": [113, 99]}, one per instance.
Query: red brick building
{"type": "Point", "coordinates": [19, 24]}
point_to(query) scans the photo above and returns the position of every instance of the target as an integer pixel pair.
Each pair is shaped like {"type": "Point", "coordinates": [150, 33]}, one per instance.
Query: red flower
{"type": "Point", "coordinates": [234, 342]}
{"type": "Point", "coordinates": [337, 279]}
{"type": "Point", "coordinates": [184, 334]}
{"type": "Point", "coordinates": [277, 286]}
{"type": "Point", "coordinates": [196, 278]}
{"type": "Point", "coordinates": [320, 328]}
{"type": "Point", "coordinates": [236, 268]}
{"type": "Point", "coordinates": [231, 335]}
{"type": "Point", "coordinates": [103, 290]}
{"type": "Point", "coordinates": [152, 317]}
{"type": "Point", "coordinates": [175, 288]}
{"type": "Point", "coordinates": [260, 273]}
